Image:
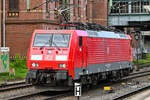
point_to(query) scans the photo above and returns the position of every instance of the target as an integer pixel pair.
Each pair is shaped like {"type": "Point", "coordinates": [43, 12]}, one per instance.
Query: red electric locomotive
{"type": "Point", "coordinates": [62, 57]}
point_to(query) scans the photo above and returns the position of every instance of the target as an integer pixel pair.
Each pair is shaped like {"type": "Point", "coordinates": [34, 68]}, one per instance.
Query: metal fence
{"type": "Point", "coordinates": [13, 58]}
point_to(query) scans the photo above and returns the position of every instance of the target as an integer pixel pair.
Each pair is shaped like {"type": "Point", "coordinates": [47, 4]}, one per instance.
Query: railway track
{"type": "Point", "coordinates": [126, 95]}
{"type": "Point", "coordinates": [147, 69]}
{"type": "Point", "coordinates": [10, 87]}
{"type": "Point", "coordinates": [40, 95]}
{"type": "Point", "coordinates": [22, 91]}
{"type": "Point", "coordinates": [130, 84]}
{"type": "Point", "coordinates": [135, 91]}
{"type": "Point", "coordinates": [137, 74]}
{"type": "Point", "coordinates": [15, 90]}
{"type": "Point", "coordinates": [11, 84]}
{"type": "Point", "coordinates": [14, 87]}
{"type": "Point", "coordinates": [28, 92]}
{"type": "Point", "coordinates": [34, 95]}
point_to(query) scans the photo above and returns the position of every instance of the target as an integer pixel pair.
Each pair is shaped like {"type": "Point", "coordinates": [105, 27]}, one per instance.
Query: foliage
{"type": "Point", "coordinates": [143, 62]}
{"type": "Point", "coordinates": [20, 67]}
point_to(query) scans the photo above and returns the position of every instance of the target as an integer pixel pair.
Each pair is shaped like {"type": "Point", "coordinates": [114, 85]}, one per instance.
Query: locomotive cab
{"type": "Point", "coordinates": [48, 57]}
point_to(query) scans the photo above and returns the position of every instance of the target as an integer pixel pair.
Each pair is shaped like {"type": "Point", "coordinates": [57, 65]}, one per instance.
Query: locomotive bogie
{"type": "Point", "coordinates": [46, 76]}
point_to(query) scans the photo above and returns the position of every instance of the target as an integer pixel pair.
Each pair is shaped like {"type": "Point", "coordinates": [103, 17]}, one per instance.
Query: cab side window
{"type": "Point", "coordinates": [80, 41]}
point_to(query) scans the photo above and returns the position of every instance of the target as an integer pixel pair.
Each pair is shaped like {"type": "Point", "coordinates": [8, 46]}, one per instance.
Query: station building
{"type": "Point", "coordinates": [24, 16]}
{"type": "Point", "coordinates": [131, 15]}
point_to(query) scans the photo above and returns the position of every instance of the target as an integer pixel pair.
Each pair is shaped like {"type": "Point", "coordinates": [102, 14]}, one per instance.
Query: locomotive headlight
{"type": "Point", "coordinates": [33, 64]}
{"type": "Point", "coordinates": [62, 65]}
{"type": "Point", "coordinates": [37, 65]}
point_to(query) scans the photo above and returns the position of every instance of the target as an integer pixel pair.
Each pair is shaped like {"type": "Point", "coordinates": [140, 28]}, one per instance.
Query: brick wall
{"type": "Point", "coordinates": [89, 11]}
{"type": "Point", "coordinates": [18, 36]}
{"type": "Point", "coordinates": [23, 14]}
{"type": "Point", "coordinates": [100, 11]}
{"type": "Point", "coordinates": [19, 29]}
{"type": "Point", "coordinates": [96, 11]}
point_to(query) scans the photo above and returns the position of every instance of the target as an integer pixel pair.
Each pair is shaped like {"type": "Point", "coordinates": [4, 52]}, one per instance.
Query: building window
{"type": "Point", "coordinates": [28, 4]}
{"type": "Point", "coordinates": [13, 8]}
{"type": "Point", "coordinates": [119, 7]}
{"type": "Point", "coordinates": [78, 8]}
{"type": "Point", "coordinates": [74, 8]}
{"type": "Point", "coordinates": [13, 5]}
{"type": "Point", "coordinates": [115, 7]}
{"type": "Point", "coordinates": [135, 7]}
{"type": "Point", "coordinates": [123, 7]}
{"type": "Point", "coordinates": [86, 9]}
{"type": "Point", "coordinates": [141, 6]}
{"type": "Point", "coordinates": [145, 6]}
{"type": "Point", "coordinates": [56, 14]}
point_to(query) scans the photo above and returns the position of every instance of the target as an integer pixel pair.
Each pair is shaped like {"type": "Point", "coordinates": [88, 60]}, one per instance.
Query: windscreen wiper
{"type": "Point", "coordinates": [56, 45]}
{"type": "Point", "coordinates": [49, 42]}
{"type": "Point", "coordinates": [43, 46]}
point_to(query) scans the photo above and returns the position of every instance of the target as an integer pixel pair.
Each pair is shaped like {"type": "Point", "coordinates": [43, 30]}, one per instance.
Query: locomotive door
{"type": "Point", "coordinates": [82, 49]}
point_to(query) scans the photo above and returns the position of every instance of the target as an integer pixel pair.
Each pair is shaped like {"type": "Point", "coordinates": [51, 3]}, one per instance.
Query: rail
{"type": "Point", "coordinates": [131, 93]}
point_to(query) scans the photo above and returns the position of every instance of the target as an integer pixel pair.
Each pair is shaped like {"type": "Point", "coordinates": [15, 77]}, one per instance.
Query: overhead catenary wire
{"type": "Point", "coordinates": [89, 26]}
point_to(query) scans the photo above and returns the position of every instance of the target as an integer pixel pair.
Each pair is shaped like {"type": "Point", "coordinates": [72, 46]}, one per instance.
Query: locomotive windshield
{"type": "Point", "coordinates": [51, 40]}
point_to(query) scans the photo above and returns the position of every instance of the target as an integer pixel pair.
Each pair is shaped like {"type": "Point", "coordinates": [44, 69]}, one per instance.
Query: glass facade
{"type": "Point", "coordinates": [129, 6]}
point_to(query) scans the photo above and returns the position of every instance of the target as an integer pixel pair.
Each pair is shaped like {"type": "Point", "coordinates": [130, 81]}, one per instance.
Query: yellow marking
{"type": "Point", "coordinates": [107, 88]}
{"type": "Point", "coordinates": [148, 77]}
{"type": "Point", "coordinates": [123, 83]}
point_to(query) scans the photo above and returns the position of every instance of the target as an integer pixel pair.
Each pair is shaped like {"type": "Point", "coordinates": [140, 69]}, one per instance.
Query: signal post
{"type": "Point", "coordinates": [77, 90]}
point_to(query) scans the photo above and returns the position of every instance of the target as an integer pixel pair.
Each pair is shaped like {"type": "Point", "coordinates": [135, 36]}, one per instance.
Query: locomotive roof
{"type": "Point", "coordinates": [107, 34]}
{"type": "Point", "coordinates": [89, 33]}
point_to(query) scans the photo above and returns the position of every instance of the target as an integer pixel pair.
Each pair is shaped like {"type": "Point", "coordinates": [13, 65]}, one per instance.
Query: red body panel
{"type": "Point", "coordinates": [104, 50]}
